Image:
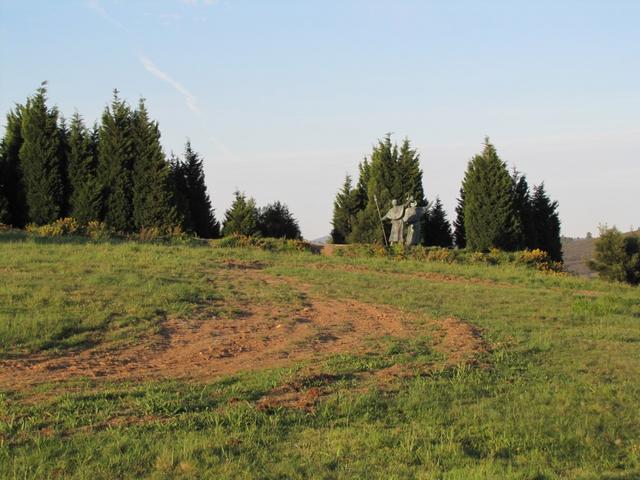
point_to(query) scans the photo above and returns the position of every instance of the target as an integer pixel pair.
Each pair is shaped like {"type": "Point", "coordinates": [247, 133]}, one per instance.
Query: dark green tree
{"type": "Point", "coordinates": [276, 221]}
{"type": "Point", "coordinates": [11, 179]}
{"type": "Point", "coordinates": [116, 158]}
{"type": "Point", "coordinates": [152, 202]}
{"type": "Point", "coordinates": [344, 211]}
{"type": "Point", "coordinates": [617, 257]}
{"type": "Point", "coordinates": [40, 159]}
{"type": "Point", "coordinates": [242, 217]}
{"type": "Point", "coordinates": [489, 217]}
{"type": "Point", "coordinates": [409, 175]}
{"type": "Point", "coordinates": [361, 190]}
{"type": "Point", "coordinates": [523, 211]}
{"type": "Point", "coordinates": [201, 213]}
{"type": "Point", "coordinates": [459, 236]}
{"type": "Point", "coordinates": [178, 181]}
{"type": "Point", "coordinates": [437, 229]}
{"type": "Point", "coordinates": [85, 192]}
{"type": "Point", "coordinates": [546, 223]}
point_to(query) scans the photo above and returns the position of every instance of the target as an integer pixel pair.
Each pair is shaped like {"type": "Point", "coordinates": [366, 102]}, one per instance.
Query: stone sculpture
{"type": "Point", "coordinates": [402, 215]}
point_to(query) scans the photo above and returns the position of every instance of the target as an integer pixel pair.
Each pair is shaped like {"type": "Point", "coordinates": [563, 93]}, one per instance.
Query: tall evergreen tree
{"type": "Point", "coordinates": [459, 234]}
{"type": "Point", "coordinates": [242, 217]}
{"type": "Point", "coordinates": [179, 188]}
{"type": "Point", "coordinates": [344, 210]}
{"type": "Point", "coordinates": [152, 202]}
{"type": "Point", "coordinates": [362, 188]}
{"type": "Point", "coordinates": [85, 192]}
{"type": "Point", "coordinates": [11, 184]}
{"type": "Point", "coordinates": [489, 217]}
{"type": "Point", "coordinates": [409, 174]}
{"type": "Point", "coordinates": [201, 213]}
{"type": "Point", "coordinates": [523, 210]}
{"type": "Point", "coordinates": [276, 221]}
{"type": "Point", "coordinates": [437, 229]}
{"type": "Point", "coordinates": [546, 223]}
{"type": "Point", "coordinates": [40, 158]}
{"type": "Point", "coordinates": [116, 157]}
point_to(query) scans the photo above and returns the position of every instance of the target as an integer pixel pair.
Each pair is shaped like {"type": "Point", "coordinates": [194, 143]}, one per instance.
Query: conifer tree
{"type": "Point", "coordinates": [489, 217]}
{"type": "Point", "coordinates": [11, 181]}
{"type": "Point", "coordinates": [242, 217]}
{"type": "Point", "coordinates": [437, 229]}
{"type": "Point", "coordinates": [523, 210]}
{"type": "Point", "coordinates": [344, 210]}
{"type": "Point", "coordinates": [85, 192]}
{"type": "Point", "coordinates": [409, 175]}
{"type": "Point", "coordinates": [152, 202]}
{"type": "Point", "coordinates": [201, 214]}
{"type": "Point", "coordinates": [459, 235]}
{"type": "Point", "coordinates": [179, 188]}
{"type": "Point", "coordinates": [546, 223]}
{"type": "Point", "coordinates": [40, 160]}
{"type": "Point", "coordinates": [4, 209]}
{"type": "Point", "coordinates": [276, 221]}
{"type": "Point", "coordinates": [361, 190]}
{"type": "Point", "coordinates": [116, 156]}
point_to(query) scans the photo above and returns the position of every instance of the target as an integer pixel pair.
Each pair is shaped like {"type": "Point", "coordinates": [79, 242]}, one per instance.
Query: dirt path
{"type": "Point", "coordinates": [263, 337]}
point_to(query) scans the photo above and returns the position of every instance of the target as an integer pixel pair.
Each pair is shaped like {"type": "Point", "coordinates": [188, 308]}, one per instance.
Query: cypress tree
{"type": "Point", "coordinates": [546, 223]}
{"type": "Point", "coordinates": [489, 217]}
{"type": "Point", "coordinates": [242, 217]}
{"type": "Point", "coordinates": [152, 202]}
{"type": "Point", "coordinates": [437, 229]}
{"type": "Point", "coordinates": [361, 190]}
{"type": "Point", "coordinates": [85, 192]}
{"type": "Point", "coordinates": [276, 221]}
{"type": "Point", "coordinates": [344, 209]}
{"type": "Point", "coordinates": [459, 234]}
{"type": "Point", "coordinates": [116, 155]}
{"type": "Point", "coordinates": [201, 213]}
{"type": "Point", "coordinates": [42, 165]}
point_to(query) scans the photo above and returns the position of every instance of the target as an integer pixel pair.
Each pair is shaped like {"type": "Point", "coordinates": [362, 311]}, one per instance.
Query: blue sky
{"type": "Point", "coordinates": [282, 98]}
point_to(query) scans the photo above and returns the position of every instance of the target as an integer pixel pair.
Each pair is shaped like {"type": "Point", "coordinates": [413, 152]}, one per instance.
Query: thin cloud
{"type": "Point", "coordinates": [190, 98]}
{"type": "Point", "coordinates": [199, 2]}
{"type": "Point", "coordinates": [97, 7]}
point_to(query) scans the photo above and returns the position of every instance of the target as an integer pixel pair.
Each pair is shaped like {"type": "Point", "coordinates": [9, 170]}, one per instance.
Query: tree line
{"type": "Point", "coordinates": [495, 209]}
{"type": "Point", "coordinates": [114, 172]}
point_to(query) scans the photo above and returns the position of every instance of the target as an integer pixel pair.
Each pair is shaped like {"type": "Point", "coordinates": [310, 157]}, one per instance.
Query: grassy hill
{"type": "Point", "coordinates": [131, 360]}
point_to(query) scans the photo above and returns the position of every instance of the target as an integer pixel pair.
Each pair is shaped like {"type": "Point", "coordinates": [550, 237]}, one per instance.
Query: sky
{"type": "Point", "coordinates": [282, 98]}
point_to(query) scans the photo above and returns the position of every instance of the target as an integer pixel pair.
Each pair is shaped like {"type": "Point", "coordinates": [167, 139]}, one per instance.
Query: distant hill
{"type": "Point", "coordinates": [576, 253]}
{"type": "Point", "coordinates": [322, 240]}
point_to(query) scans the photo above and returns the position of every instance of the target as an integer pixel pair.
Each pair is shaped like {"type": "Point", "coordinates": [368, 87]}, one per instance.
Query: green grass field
{"type": "Point", "coordinates": [555, 393]}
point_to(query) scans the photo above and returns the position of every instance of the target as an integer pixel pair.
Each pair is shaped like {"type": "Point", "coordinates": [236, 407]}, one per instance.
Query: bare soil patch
{"type": "Point", "coordinates": [259, 337]}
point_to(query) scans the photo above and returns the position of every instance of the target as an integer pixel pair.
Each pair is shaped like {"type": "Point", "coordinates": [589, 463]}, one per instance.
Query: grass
{"type": "Point", "coordinates": [560, 398]}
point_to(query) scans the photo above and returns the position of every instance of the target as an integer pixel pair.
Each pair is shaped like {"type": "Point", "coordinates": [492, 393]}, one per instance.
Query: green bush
{"type": "Point", "coordinates": [264, 243]}
{"type": "Point", "coordinates": [617, 257]}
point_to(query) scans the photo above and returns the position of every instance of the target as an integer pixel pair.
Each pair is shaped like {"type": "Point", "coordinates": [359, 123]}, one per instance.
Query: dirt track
{"type": "Point", "coordinates": [209, 347]}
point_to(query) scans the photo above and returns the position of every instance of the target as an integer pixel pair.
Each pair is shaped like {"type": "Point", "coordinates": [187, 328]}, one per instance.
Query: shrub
{"type": "Point", "coordinates": [617, 257]}
{"type": "Point", "coordinates": [270, 244]}
{"type": "Point", "coordinates": [540, 260]}
{"type": "Point", "coordinates": [96, 230]}
{"type": "Point", "coordinates": [61, 227]}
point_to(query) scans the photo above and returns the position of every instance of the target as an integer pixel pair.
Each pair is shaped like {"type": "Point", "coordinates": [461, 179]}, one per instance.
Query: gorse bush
{"type": "Point", "coordinates": [58, 228]}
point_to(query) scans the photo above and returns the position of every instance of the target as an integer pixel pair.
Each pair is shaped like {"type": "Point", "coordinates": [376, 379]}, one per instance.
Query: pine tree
{"type": "Point", "coordinates": [63, 155]}
{"type": "Point", "coordinates": [152, 202]}
{"type": "Point", "coordinates": [11, 180]}
{"type": "Point", "coordinates": [489, 218]}
{"type": "Point", "coordinates": [409, 175]}
{"type": "Point", "coordinates": [459, 234]}
{"type": "Point", "coordinates": [85, 196]}
{"type": "Point", "coordinates": [523, 210]}
{"type": "Point", "coordinates": [4, 209]}
{"type": "Point", "coordinates": [116, 156]}
{"type": "Point", "coordinates": [437, 229]}
{"type": "Point", "coordinates": [40, 159]}
{"type": "Point", "coordinates": [276, 221]}
{"type": "Point", "coordinates": [178, 182]}
{"type": "Point", "coordinates": [344, 210]}
{"type": "Point", "coordinates": [242, 217]}
{"type": "Point", "coordinates": [546, 223]}
{"type": "Point", "coordinates": [361, 190]}
{"type": "Point", "coordinates": [201, 213]}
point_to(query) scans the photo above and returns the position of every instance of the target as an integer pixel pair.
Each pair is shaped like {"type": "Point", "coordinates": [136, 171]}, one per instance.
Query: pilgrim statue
{"type": "Point", "coordinates": [413, 219]}
{"type": "Point", "coordinates": [396, 215]}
